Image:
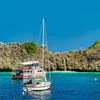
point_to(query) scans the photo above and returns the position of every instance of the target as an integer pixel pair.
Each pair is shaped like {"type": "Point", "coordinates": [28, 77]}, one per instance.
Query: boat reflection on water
{"type": "Point", "coordinates": [40, 95]}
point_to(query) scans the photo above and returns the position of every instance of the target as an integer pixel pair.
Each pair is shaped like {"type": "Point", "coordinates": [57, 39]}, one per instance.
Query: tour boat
{"type": "Point", "coordinates": [28, 69]}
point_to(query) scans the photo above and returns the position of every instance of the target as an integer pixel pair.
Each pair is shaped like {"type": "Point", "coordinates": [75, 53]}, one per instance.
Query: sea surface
{"type": "Point", "coordinates": [65, 86]}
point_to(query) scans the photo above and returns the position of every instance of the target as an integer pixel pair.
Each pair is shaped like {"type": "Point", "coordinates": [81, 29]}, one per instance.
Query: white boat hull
{"type": "Point", "coordinates": [36, 88]}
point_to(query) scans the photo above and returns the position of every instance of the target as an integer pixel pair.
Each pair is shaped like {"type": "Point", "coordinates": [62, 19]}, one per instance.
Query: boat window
{"type": "Point", "coordinates": [31, 71]}
{"type": "Point", "coordinates": [35, 65]}
{"type": "Point", "coordinates": [17, 72]}
{"type": "Point", "coordinates": [30, 65]}
{"type": "Point", "coordinates": [21, 71]}
{"type": "Point", "coordinates": [38, 80]}
{"type": "Point", "coordinates": [28, 71]}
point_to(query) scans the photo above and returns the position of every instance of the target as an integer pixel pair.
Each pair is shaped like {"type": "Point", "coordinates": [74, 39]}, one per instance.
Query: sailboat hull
{"type": "Point", "coordinates": [36, 88]}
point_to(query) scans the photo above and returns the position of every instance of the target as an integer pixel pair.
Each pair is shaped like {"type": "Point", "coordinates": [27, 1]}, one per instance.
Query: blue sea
{"type": "Point", "coordinates": [65, 86]}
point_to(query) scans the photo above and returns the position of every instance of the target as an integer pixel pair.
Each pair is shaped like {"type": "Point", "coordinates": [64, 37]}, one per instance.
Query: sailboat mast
{"type": "Point", "coordinates": [43, 45]}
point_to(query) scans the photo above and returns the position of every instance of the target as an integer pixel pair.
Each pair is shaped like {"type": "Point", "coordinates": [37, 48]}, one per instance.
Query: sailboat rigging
{"type": "Point", "coordinates": [39, 83]}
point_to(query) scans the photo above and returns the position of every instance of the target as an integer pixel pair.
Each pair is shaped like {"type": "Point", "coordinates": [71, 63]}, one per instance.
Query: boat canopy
{"type": "Point", "coordinates": [30, 62]}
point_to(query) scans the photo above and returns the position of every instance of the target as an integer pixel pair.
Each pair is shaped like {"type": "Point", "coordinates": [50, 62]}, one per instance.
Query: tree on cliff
{"type": "Point", "coordinates": [30, 47]}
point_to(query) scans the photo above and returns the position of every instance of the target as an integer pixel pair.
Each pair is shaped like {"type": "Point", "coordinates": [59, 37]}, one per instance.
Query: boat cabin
{"type": "Point", "coordinates": [28, 69]}
{"type": "Point", "coordinates": [31, 64]}
{"type": "Point", "coordinates": [33, 72]}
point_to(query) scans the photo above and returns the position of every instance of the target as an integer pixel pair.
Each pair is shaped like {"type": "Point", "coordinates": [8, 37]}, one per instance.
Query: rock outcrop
{"type": "Point", "coordinates": [12, 53]}
{"type": "Point", "coordinates": [74, 60]}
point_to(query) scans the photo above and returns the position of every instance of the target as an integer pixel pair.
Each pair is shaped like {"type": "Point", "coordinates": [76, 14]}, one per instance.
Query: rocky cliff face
{"type": "Point", "coordinates": [12, 53]}
{"type": "Point", "coordinates": [80, 60]}
{"type": "Point", "coordinates": [71, 61]}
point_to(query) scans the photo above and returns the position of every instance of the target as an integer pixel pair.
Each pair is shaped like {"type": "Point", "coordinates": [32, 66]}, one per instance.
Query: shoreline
{"type": "Point", "coordinates": [65, 71]}
{"type": "Point", "coordinates": [10, 70]}
{"type": "Point", "coordinates": [73, 72]}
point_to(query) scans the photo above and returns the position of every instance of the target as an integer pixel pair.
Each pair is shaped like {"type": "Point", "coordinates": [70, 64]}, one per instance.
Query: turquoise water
{"type": "Point", "coordinates": [65, 86]}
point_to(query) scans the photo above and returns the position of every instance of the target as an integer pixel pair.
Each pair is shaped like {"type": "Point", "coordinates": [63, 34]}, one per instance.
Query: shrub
{"type": "Point", "coordinates": [30, 47]}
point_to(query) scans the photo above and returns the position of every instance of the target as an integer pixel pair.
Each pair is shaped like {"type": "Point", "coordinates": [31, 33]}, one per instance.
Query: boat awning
{"type": "Point", "coordinates": [29, 62]}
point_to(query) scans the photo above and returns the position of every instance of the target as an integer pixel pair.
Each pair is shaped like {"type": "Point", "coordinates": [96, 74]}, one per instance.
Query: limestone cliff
{"type": "Point", "coordinates": [79, 60]}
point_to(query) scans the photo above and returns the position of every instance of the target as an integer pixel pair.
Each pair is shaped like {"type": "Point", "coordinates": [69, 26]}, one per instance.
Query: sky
{"type": "Point", "coordinates": [70, 24]}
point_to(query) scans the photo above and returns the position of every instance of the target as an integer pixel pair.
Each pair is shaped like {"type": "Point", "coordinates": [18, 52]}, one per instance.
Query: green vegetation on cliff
{"type": "Point", "coordinates": [30, 47]}
{"type": "Point", "coordinates": [92, 48]}
{"type": "Point", "coordinates": [95, 45]}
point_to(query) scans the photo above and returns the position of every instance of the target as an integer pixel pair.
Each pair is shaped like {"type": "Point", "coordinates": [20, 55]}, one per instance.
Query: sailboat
{"type": "Point", "coordinates": [38, 83]}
